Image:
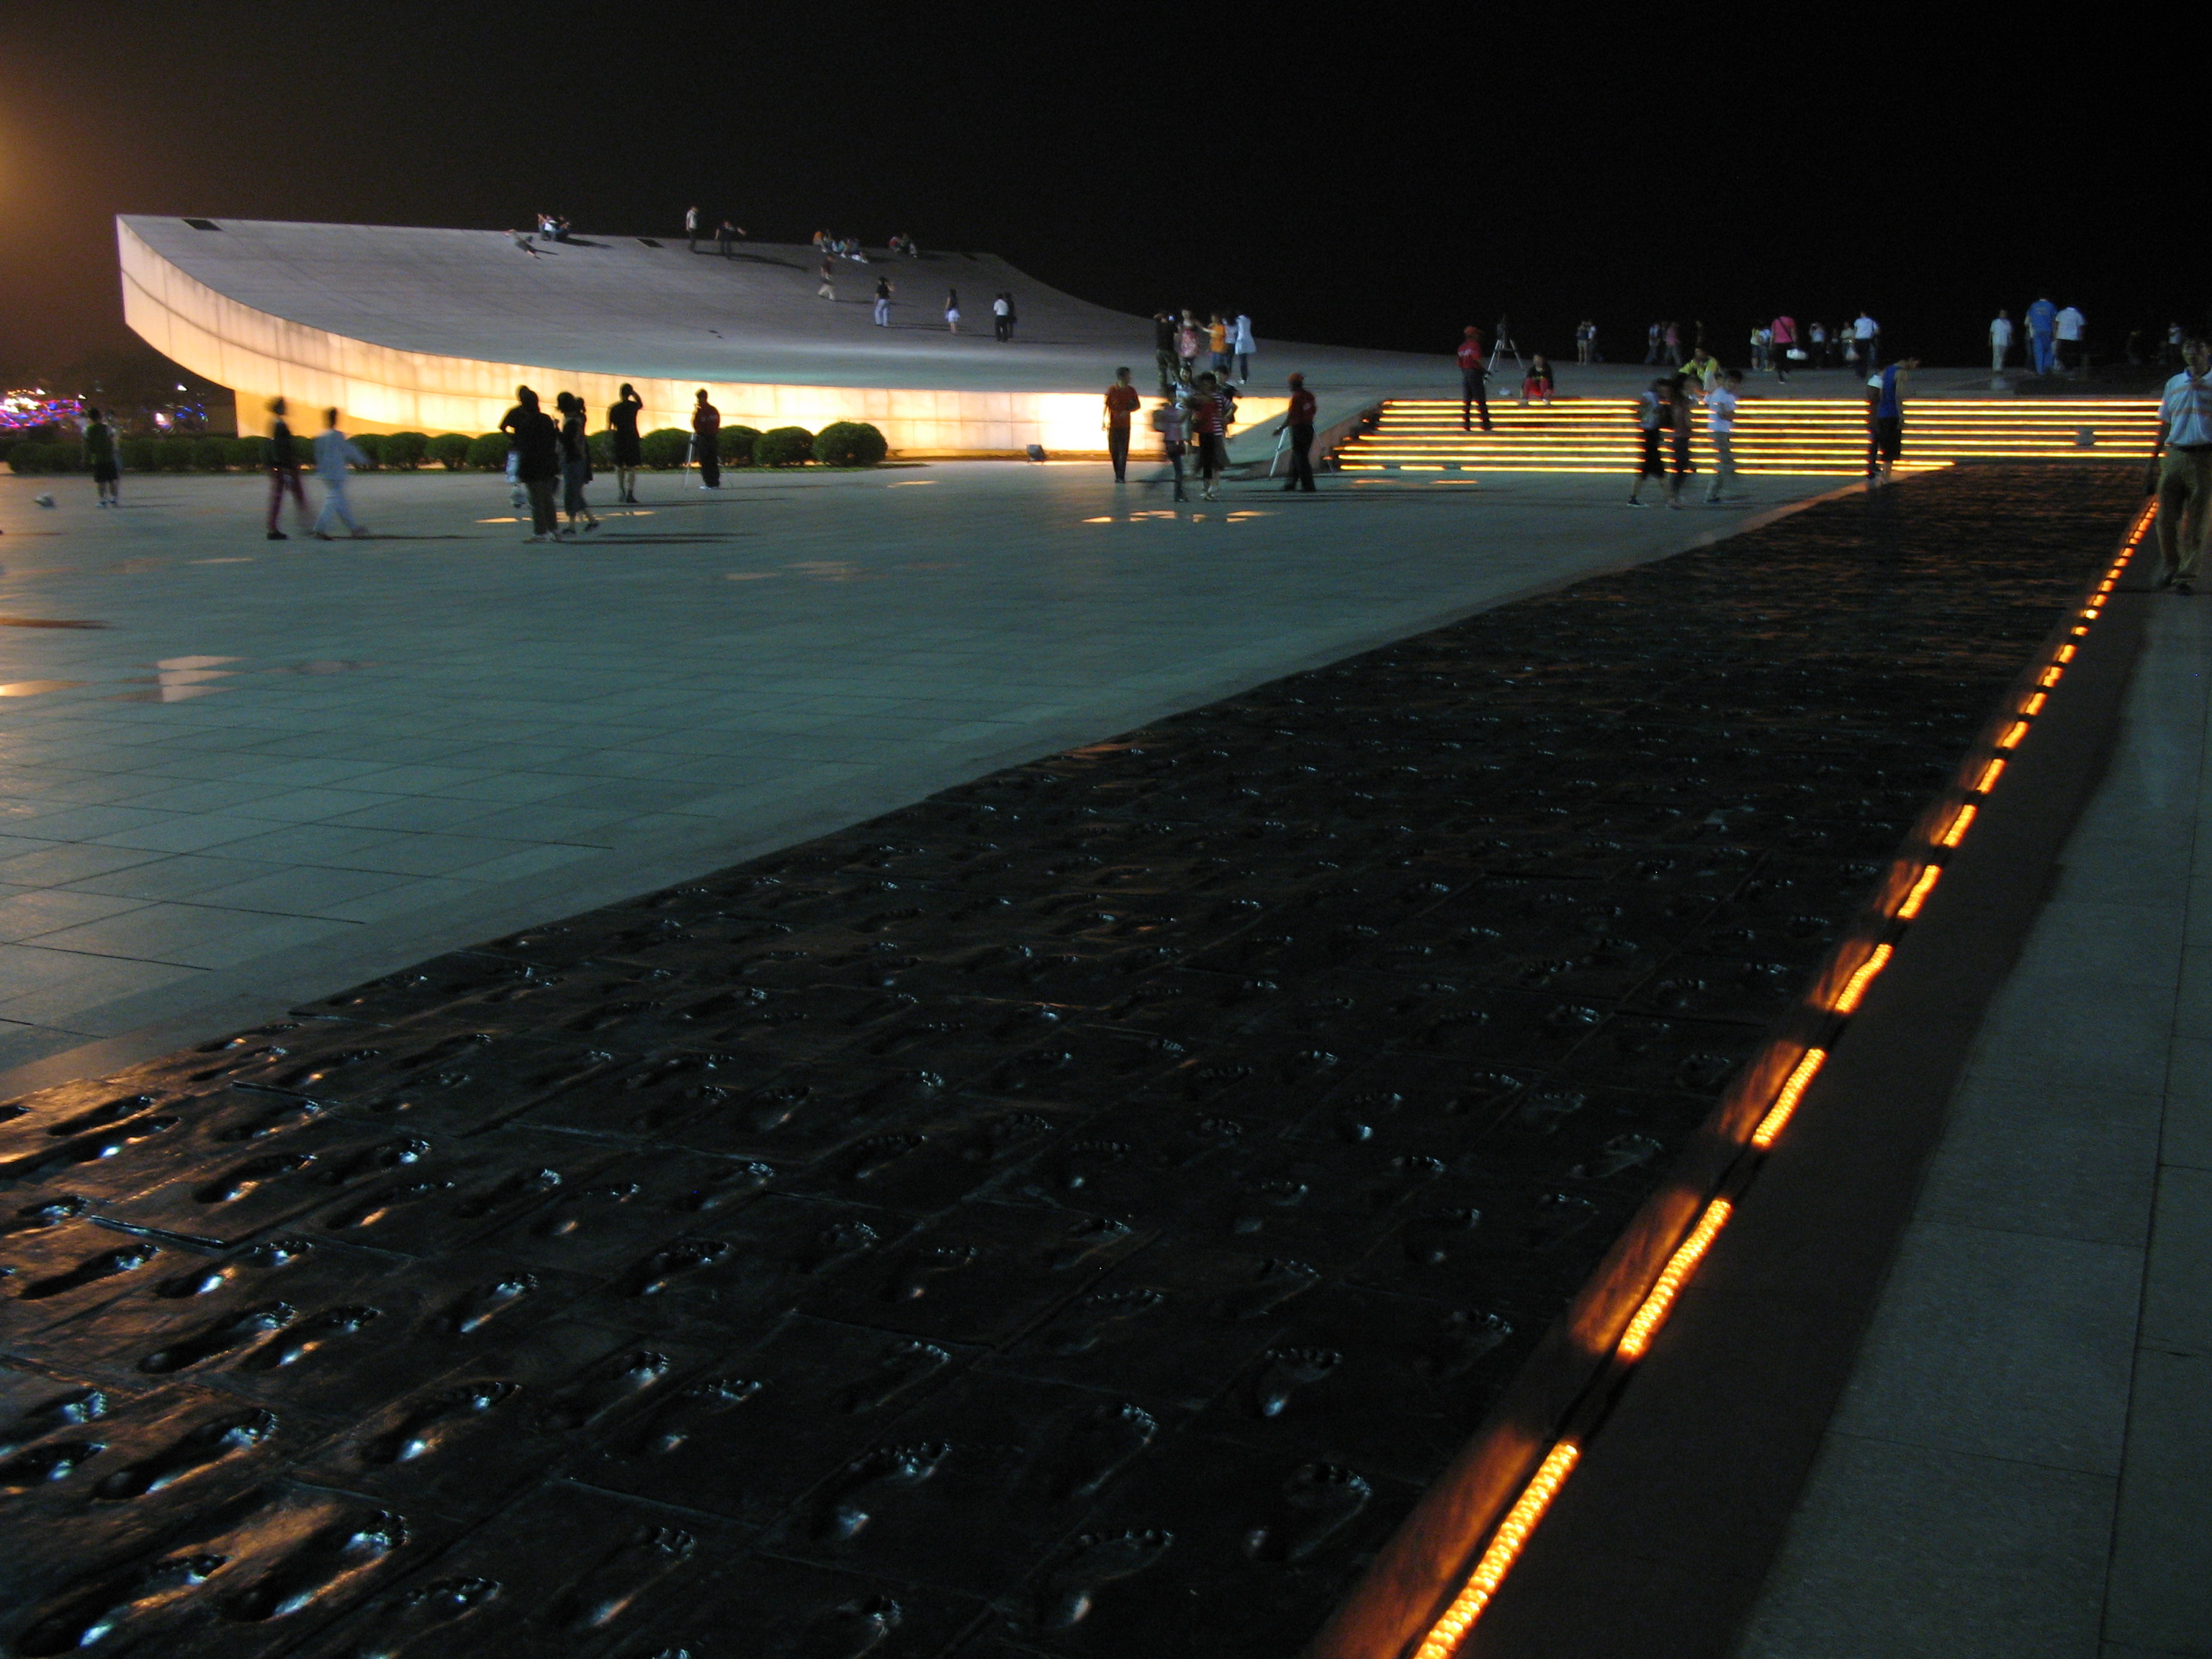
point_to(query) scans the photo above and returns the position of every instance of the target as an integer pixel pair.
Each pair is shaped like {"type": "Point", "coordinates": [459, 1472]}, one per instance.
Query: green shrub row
{"type": "Point", "coordinates": [842, 443]}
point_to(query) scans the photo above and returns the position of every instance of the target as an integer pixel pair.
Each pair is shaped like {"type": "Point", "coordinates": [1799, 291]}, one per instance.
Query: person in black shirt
{"type": "Point", "coordinates": [283, 456]}
{"type": "Point", "coordinates": [575, 463]}
{"type": "Point", "coordinates": [99, 450]}
{"type": "Point", "coordinates": [622, 422]}
{"type": "Point", "coordinates": [706, 441]}
{"type": "Point", "coordinates": [536, 459]}
{"type": "Point", "coordinates": [1164, 349]}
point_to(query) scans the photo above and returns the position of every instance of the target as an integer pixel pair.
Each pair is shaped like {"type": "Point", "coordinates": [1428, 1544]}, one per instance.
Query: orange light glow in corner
{"type": "Point", "coordinates": [1855, 989]}
{"type": "Point", "coordinates": [1680, 1266]}
{"type": "Point", "coordinates": [1444, 1638]}
{"type": "Point", "coordinates": [1785, 1103]}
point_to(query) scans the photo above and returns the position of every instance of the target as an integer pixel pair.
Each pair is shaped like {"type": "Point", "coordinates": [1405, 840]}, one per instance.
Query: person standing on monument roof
{"type": "Point", "coordinates": [1002, 312]}
{"type": "Point", "coordinates": [726, 236]}
{"type": "Point", "coordinates": [1189, 342]}
{"type": "Point", "coordinates": [1164, 347]}
{"type": "Point", "coordinates": [1867, 334]}
{"type": "Point", "coordinates": [2001, 333]}
{"type": "Point", "coordinates": [1472, 374]}
{"type": "Point", "coordinates": [827, 273]}
{"type": "Point", "coordinates": [2069, 330]}
{"type": "Point", "coordinates": [1240, 346]}
{"type": "Point", "coordinates": [1217, 344]}
{"type": "Point", "coordinates": [706, 441]}
{"type": "Point", "coordinates": [1122, 401]}
{"type": "Point", "coordinates": [884, 291]}
{"type": "Point", "coordinates": [691, 226]}
{"type": "Point", "coordinates": [951, 311]}
{"type": "Point", "coordinates": [1784, 341]}
{"type": "Point", "coordinates": [630, 454]}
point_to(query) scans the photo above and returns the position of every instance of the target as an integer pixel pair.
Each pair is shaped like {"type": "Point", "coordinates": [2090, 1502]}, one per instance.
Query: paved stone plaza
{"type": "Point", "coordinates": [276, 768]}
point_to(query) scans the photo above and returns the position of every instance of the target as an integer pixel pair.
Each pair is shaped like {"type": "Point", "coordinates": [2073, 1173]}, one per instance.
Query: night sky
{"type": "Point", "coordinates": [1360, 174]}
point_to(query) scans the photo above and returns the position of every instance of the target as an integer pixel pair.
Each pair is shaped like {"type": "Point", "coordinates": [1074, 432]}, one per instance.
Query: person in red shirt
{"type": "Point", "coordinates": [1122, 401]}
{"type": "Point", "coordinates": [1472, 374]}
{"type": "Point", "coordinates": [1298, 421]}
{"type": "Point", "coordinates": [1209, 415]}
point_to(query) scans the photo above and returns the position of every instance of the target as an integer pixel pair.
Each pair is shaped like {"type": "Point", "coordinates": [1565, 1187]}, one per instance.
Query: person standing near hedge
{"type": "Point", "coordinates": [283, 457]}
{"type": "Point", "coordinates": [334, 453]}
{"type": "Point", "coordinates": [622, 421]}
{"type": "Point", "coordinates": [536, 459]}
{"type": "Point", "coordinates": [575, 463]}
{"type": "Point", "coordinates": [99, 451]}
{"type": "Point", "coordinates": [706, 440]}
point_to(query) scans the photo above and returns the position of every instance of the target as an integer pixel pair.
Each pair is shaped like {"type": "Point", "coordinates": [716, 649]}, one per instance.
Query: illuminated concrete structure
{"type": "Point", "coordinates": [431, 331]}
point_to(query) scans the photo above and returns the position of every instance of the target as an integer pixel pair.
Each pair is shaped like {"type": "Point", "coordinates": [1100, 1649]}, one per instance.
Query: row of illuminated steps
{"type": "Point", "coordinates": [1802, 436]}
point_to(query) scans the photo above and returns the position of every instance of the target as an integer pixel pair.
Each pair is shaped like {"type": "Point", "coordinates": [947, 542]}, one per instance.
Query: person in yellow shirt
{"type": "Point", "coordinates": [1217, 342]}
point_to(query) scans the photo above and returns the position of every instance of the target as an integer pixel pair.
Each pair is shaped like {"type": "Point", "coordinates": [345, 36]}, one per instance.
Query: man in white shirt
{"type": "Point", "coordinates": [1867, 334]}
{"type": "Point", "coordinates": [2184, 471]}
{"type": "Point", "coordinates": [2000, 342]}
{"type": "Point", "coordinates": [334, 453]}
{"type": "Point", "coordinates": [1720, 426]}
{"type": "Point", "coordinates": [2068, 330]}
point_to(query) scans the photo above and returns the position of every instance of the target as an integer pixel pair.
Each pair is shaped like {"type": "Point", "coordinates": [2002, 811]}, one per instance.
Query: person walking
{"type": "Point", "coordinates": [1782, 341]}
{"type": "Point", "coordinates": [537, 455]}
{"type": "Point", "coordinates": [1886, 419]}
{"type": "Point", "coordinates": [2069, 330]}
{"type": "Point", "coordinates": [1013, 315]}
{"type": "Point", "coordinates": [1240, 347]}
{"type": "Point", "coordinates": [1581, 343]}
{"type": "Point", "coordinates": [2000, 341]}
{"type": "Point", "coordinates": [1681, 413]}
{"type": "Point", "coordinates": [575, 463]}
{"type": "Point", "coordinates": [1653, 410]}
{"type": "Point", "coordinates": [1867, 333]}
{"type": "Point", "coordinates": [884, 291]}
{"type": "Point", "coordinates": [100, 455]}
{"type": "Point", "coordinates": [1720, 427]}
{"type": "Point", "coordinates": [1189, 342]}
{"type": "Point", "coordinates": [283, 462]}
{"type": "Point", "coordinates": [2042, 321]}
{"type": "Point", "coordinates": [952, 311]}
{"type": "Point", "coordinates": [1122, 401]}
{"type": "Point", "coordinates": [1472, 375]}
{"type": "Point", "coordinates": [691, 226]}
{"type": "Point", "coordinates": [1672, 343]}
{"type": "Point", "coordinates": [1217, 344]}
{"type": "Point", "coordinates": [334, 453]}
{"type": "Point", "coordinates": [706, 441]}
{"type": "Point", "coordinates": [827, 273]}
{"type": "Point", "coordinates": [1210, 413]}
{"type": "Point", "coordinates": [630, 454]}
{"type": "Point", "coordinates": [1654, 336]}
{"type": "Point", "coordinates": [1164, 349]}
{"type": "Point", "coordinates": [1172, 422]}
{"type": "Point", "coordinates": [2183, 459]}
{"type": "Point", "coordinates": [1298, 426]}
{"type": "Point", "coordinates": [726, 237]}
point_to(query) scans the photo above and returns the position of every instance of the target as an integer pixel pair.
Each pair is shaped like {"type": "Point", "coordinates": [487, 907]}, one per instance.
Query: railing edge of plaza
{"type": "Point", "coordinates": [1428, 1585]}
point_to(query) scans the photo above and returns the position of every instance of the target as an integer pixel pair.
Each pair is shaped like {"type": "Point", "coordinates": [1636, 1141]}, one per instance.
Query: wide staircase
{"type": "Point", "coordinates": [1804, 435]}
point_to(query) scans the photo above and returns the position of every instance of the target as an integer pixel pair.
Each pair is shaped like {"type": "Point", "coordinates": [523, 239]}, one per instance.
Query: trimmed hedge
{"type": "Point", "coordinates": [784, 445]}
{"type": "Point", "coordinates": [243, 451]}
{"type": "Point", "coordinates": [849, 443]}
{"type": "Point", "coordinates": [734, 444]}
{"type": "Point", "coordinates": [42, 458]}
{"type": "Point", "coordinates": [138, 454]}
{"type": "Point", "coordinates": [488, 454]}
{"type": "Point", "coordinates": [666, 448]}
{"type": "Point", "coordinates": [600, 446]}
{"type": "Point", "coordinates": [370, 444]}
{"type": "Point", "coordinates": [210, 455]}
{"type": "Point", "coordinates": [405, 449]}
{"type": "Point", "coordinates": [449, 450]}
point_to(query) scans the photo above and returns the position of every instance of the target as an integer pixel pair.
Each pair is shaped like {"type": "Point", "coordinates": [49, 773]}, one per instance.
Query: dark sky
{"type": "Point", "coordinates": [1361, 174]}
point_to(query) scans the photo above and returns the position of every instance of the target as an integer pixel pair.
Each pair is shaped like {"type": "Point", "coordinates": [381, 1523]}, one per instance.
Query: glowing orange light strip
{"type": "Point", "coordinates": [1449, 1631]}
{"type": "Point", "coordinates": [1957, 832]}
{"type": "Point", "coordinates": [1680, 1266]}
{"type": "Point", "coordinates": [1785, 1103]}
{"type": "Point", "coordinates": [2066, 652]}
{"type": "Point", "coordinates": [1990, 774]}
{"type": "Point", "coordinates": [1918, 895]}
{"type": "Point", "coordinates": [1847, 1000]}
{"type": "Point", "coordinates": [2034, 704]}
{"type": "Point", "coordinates": [2013, 733]}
